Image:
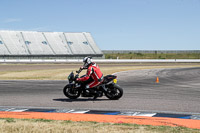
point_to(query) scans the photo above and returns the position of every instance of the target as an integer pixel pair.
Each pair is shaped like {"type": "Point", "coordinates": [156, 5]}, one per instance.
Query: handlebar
{"type": "Point", "coordinates": [79, 71]}
{"type": "Point", "coordinates": [77, 75]}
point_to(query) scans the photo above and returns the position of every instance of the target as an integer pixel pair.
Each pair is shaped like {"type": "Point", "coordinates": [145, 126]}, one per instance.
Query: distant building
{"type": "Point", "coordinates": [33, 44]}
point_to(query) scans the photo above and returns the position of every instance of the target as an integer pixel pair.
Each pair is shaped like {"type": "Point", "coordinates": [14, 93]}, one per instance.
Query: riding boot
{"type": "Point", "coordinates": [95, 93]}
{"type": "Point", "coordinates": [86, 93]}
{"type": "Point", "coordinates": [95, 96]}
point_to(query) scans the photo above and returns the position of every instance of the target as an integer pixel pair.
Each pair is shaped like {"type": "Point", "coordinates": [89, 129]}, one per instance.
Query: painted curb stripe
{"type": "Point", "coordinates": [41, 110]}
{"type": "Point", "coordinates": [173, 116]}
{"type": "Point", "coordinates": [103, 112]}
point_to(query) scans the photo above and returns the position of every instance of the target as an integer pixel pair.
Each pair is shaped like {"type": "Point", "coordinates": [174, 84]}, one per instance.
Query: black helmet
{"type": "Point", "coordinates": [87, 61]}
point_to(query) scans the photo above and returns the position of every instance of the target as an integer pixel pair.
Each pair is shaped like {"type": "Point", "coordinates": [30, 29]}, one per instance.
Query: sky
{"type": "Point", "coordinates": [114, 24]}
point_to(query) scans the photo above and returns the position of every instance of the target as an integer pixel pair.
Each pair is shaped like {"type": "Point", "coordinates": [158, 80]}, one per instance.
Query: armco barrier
{"type": "Point", "coordinates": [100, 60]}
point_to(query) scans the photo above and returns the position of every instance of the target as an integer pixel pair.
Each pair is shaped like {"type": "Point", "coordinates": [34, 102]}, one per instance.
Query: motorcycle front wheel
{"type": "Point", "coordinates": [114, 92]}
{"type": "Point", "coordinates": [71, 92]}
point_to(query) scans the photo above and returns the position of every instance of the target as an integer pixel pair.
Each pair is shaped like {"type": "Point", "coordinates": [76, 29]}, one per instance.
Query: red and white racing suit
{"type": "Point", "coordinates": [95, 73]}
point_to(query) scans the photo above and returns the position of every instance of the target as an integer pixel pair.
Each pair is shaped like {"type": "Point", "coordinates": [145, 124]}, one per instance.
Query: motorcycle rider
{"type": "Point", "coordinates": [93, 72]}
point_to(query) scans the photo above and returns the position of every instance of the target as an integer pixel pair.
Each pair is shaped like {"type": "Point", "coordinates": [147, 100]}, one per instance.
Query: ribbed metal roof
{"type": "Point", "coordinates": [47, 43]}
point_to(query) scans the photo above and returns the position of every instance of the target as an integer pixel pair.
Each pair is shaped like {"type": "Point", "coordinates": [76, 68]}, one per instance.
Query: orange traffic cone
{"type": "Point", "coordinates": [157, 80]}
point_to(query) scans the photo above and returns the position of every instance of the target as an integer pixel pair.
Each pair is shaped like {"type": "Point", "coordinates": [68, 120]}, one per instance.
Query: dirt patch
{"type": "Point", "coordinates": [60, 71]}
{"type": "Point", "coordinates": [29, 67]}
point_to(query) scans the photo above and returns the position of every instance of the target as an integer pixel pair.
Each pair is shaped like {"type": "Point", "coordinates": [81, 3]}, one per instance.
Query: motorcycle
{"type": "Point", "coordinates": [108, 87]}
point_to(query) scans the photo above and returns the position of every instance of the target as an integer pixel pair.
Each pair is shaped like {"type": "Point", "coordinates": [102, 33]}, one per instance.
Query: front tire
{"type": "Point", "coordinates": [70, 92]}
{"type": "Point", "coordinates": [114, 92]}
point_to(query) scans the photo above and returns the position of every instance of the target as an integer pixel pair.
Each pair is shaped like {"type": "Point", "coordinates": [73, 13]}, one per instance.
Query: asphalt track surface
{"type": "Point", "coordinates": [178, 91]}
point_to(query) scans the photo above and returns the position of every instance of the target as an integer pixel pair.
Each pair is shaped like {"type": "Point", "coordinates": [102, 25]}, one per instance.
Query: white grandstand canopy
{"type": "Point", "coordinates": [47, 43]}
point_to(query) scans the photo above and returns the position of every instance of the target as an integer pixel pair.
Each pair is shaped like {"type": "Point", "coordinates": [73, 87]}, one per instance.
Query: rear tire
{"type": "Point", "coordinates": [114, 92]}
{"type": "Point", "coordinates": [71, 93]}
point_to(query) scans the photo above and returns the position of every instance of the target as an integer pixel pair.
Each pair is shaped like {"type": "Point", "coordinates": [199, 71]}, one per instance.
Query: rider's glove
{"type": "Point", "coordinates": [81, 68]}
{"type": "Point", "coordinates": [77, 79]}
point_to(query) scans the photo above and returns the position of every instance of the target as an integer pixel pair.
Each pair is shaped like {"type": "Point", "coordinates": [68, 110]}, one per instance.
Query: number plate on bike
{"type": "Point", "coordinates": [115, 81]}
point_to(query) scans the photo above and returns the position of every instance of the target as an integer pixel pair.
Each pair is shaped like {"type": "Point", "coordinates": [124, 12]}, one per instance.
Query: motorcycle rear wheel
{"type": "Point", "coordinates": [71, 93]}
{"type": "Point", "coordinates": [114, 92]}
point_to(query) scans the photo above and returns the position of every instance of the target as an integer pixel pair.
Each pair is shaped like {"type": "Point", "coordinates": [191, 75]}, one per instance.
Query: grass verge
{"type": "Point", "coordinates": [153, 55]}
{"type": "Point", "coordinates": [8, 125]}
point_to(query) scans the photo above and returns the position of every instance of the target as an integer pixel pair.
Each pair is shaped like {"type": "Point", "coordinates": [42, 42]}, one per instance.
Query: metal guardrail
{"type": "Point", "coordinates": [99, 60]}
